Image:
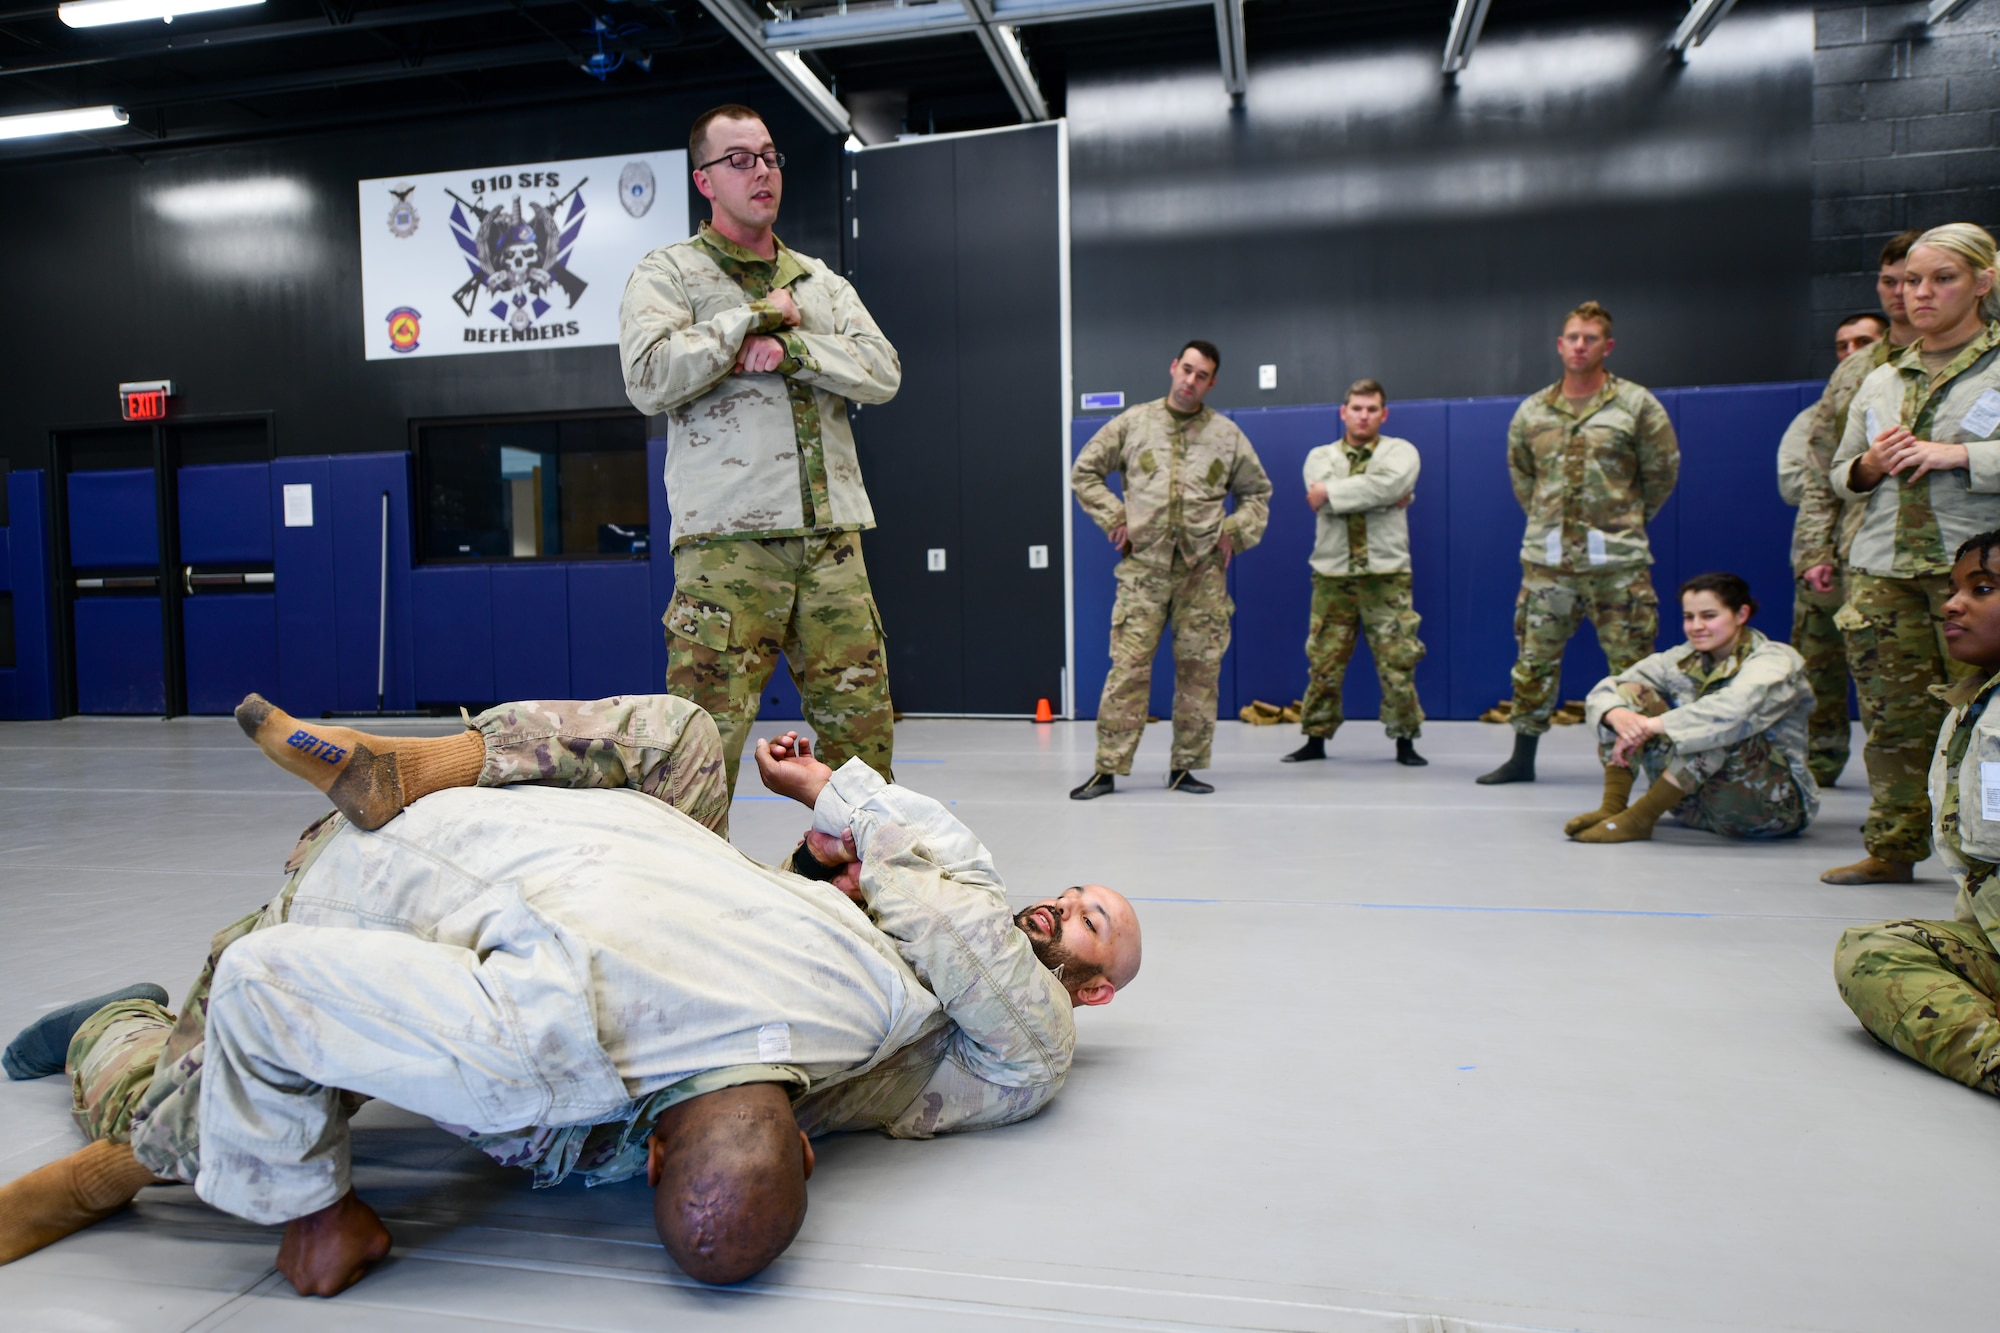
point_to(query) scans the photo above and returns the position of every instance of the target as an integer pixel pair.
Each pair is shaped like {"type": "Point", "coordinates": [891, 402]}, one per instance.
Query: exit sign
{"type": "Point", "coordinates": [145, 400]}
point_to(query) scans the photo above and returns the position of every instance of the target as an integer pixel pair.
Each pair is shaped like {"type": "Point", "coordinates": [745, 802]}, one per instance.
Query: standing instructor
{"type": "Point", "coordinates": [752, 351]}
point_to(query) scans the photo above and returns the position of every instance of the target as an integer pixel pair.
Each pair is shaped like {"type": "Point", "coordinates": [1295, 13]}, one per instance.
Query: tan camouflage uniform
{"type": "Point", "coordinates": [1589, 480]}
{"type": "Point", "coordinates": [1361, 582]}
{"type": "Point", "coordinates": [1735, 738]}
{"type": "Point", "coordinates": [1929, 988]}
{"type": "Point", "coordinates": [1814, 634]}
{"type": "Point", "coordinates": [764, 486]}
{"type": "Point", "coordinates": [1177, 470]}
{"type": "Point", "coordinates": [1897, 567]}
{"type": "Point", "coordinates": [997, 1051]}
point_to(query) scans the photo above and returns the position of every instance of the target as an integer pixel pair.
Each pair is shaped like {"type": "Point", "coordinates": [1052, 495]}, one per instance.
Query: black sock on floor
{"type": "Point", "coordinates": [42, 1047]}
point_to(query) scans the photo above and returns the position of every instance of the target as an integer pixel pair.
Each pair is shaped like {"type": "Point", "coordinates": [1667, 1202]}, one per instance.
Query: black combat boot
{"type": "Point", "coordinates": [1406, 754]}
{"type": "Point", "coordinates": [1314, 748]}
{"type": "Point", "coordinates": [1519, 768]}
{"type": "Point", "coordinates": [1100, 784]}
{"type": "Point", "coordinates": [1182, 779]}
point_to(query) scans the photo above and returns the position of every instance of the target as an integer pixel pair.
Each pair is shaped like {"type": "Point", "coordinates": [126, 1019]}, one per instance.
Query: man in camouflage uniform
{"type": "Point", "coordinates": [1180, 460]}
{"type": "Point", "coordinates": [753, 351]}
{"type": "Point", "coordinates": [903, 1061]}
{"type": "Point", "coordinates": [1359, 489]}
{"type": "Point", "coordinates": [1592, 458]}
{"type": "Point", "coordinates": [1948, 400]}
{"type": "Point", "coordinates": [1814, 634]}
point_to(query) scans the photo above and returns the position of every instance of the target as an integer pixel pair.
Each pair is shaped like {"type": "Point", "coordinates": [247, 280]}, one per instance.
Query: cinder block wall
{"type": "Point", "coordinates": [1906, 133]}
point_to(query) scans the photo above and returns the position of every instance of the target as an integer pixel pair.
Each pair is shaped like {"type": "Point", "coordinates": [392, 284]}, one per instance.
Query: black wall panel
{"type": "Point", "coordinates": [1356, 216]}
{"type": "Point", "coordinates": [262, 312]}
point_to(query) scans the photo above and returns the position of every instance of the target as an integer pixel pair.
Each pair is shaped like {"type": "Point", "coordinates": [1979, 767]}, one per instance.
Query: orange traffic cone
{"type": "Point", "coordinates": [1043, 713]}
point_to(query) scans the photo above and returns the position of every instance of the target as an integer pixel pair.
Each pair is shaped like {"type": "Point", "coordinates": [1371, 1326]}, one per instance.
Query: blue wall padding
{"type": "Point", "coordinates": [780, 697]}
{"type": "Point", "coordinates": [610, 637]}
{"type": "Point", "coordinates": [453, 606]}
{"type": "Point", "coordinates": [1466, 538]}
{"type": "Point", "coordinates": [120, 656]}
{"type": "Point", "coordinates": [530, 656]}
{"type": "Point", "coordinates": [353, 510]}
{"type": "Point", "coordinates": [225, 514]}
{"type": "Point", "coordinates": [232, 648]}
{"type": "Point", "coordinates": [114, 520]}
{"type": "Point", "coordinates": [303, 561]}
{"type": "Point", "coordinates": [25, 691]}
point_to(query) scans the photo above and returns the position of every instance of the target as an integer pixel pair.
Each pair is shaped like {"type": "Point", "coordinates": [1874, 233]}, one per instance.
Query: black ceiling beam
{"type": "Point", "coordinates": [436, 11]}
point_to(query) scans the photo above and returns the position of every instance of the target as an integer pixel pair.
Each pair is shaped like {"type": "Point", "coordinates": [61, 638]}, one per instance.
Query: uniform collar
{"type": "Point", "coordinates": [1199, 415]}
{"type": "Point", "coordinates": [1556, 399]}
{"type": "Point", "coordinates": [784, 268]}
{"type": "Point", "coordinates": [1912, 357]}
{"type": "Point", "coordinates": [1748, 642]}
{"type": "Point", "coordinates": [1965, 691]}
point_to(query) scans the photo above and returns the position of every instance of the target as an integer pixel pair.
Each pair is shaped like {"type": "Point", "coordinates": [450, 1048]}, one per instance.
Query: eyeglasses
{"type": "Point", "coordinates": [743, 160]}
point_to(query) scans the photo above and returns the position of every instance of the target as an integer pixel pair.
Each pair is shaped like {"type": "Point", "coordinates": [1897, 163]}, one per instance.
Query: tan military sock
{"type": "Point", "coordinates": [1635, 824]}
{"type": "Point", "coordinates": [66, 1196]}
{"type": "Point", "coordinates": [369, 778]}
{"type": "Point", "coordinates": [1617, 795]}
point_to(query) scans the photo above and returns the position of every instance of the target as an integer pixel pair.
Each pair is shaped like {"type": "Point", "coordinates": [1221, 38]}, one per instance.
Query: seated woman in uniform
{"type": "Point", "coordinates": [1718, 725]}
{"type": "Point", "coordinates": [1929, 988]}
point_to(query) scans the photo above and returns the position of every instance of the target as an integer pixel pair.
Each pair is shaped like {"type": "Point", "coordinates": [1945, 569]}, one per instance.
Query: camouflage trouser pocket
{"type": "Point", "coordinates": [1848, 619]}
{"type": "Point", "coordinates": [698, 622]}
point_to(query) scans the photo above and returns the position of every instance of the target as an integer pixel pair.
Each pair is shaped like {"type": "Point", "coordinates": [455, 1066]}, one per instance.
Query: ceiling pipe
{"type": "Point", "coordinates": [784, 65]}
{"type": "Point", "coordinates": [1702, 16]}
{"type": "Point", "coordinates": [1944, 9]}
{"type": "Point", "coordinates": [1002, 45]}
{"type": "Point", "coordinates": [1466, 25]}
{"type": "Point", "coordinates": [1229, 40]}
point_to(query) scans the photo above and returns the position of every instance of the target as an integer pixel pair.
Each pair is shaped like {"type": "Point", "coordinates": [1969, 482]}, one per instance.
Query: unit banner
{"type": "Point", "coordinates": [502, 259]}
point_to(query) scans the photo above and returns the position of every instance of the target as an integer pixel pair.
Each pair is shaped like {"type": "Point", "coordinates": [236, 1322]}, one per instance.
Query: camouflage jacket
{"type": "Point", "coordinates": [1966, 827]}
{"type": "Point", "coordinates": [1760, 689]}
{"type": "Point", "coordinates": [767, 455]}
{"type": "Point", "coordinates": [1824, 529]}
{"type": "Point", "coordinates": [995, 1050]}
{"type": "Point", "coordinates": [1176, 474]}
{"type": "Point", "coordinates": [1360, 517]}
{"type": "Point", "coordinates": [1590, 481]}
{"type": "Point", "coordinates": [1913, 531]}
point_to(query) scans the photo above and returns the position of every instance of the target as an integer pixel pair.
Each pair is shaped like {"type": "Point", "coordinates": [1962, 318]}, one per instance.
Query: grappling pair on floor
{"type": "Point", "coordinates": [558, 956]}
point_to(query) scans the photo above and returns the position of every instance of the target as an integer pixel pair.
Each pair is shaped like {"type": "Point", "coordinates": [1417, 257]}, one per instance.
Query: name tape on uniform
{"type": "Point", "coordinates": [1595, 543]}
{"type": "Point", "coordinates": [1554, 543]}
{"type": "Point", "coordinates": [1984, 416]}
{"type": "Point", "coordinates": [1989, 790]}
{"type": "Point", "coordinates": [774, 1040]}
{"type": "Point", "coordinates": [1874, 425]}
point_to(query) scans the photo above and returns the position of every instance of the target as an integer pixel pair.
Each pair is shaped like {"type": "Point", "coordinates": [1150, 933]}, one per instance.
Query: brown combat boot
{"type": "Point", "coordinates": [369, 778]}
{"type": "Point", "coordinates": [1872, 870]}
{"type": "Point", "coordinates": [1635, 824]}
{"type": "Point", "coordinates": [67, 1195]}
{"type": "Point", "coordinates": [1617, 795]}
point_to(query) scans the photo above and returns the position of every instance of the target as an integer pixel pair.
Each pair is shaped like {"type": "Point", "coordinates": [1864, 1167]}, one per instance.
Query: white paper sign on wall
{"type": "Point", "coordinates": [511, 258]}
{"type": "Point", "coordinates": [298, 504]}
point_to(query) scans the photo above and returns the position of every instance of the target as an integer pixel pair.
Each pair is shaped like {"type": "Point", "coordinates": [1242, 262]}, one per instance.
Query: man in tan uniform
{"type": "Point", "coordinates": [1813, 632]}
{"type": "Point", "coordinates": [753, 351]}
{"type": "Point", "coordinates": [1180, 460]}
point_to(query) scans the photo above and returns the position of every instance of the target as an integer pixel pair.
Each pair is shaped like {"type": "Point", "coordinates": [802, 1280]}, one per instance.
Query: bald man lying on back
{"type": "Point", "coordinates": [559, 939]}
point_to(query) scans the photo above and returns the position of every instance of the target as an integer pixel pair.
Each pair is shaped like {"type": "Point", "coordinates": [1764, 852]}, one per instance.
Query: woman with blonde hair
{"type": "Point", "coordinates": [1922, 453]}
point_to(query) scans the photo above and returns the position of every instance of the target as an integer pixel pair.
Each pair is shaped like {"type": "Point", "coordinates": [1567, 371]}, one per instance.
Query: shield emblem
{"type": "Point", "coordinates": [636, 188]}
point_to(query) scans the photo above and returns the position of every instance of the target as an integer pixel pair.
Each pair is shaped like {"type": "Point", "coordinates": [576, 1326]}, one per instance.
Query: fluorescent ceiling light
{"type": "Point", "coordinates": [97, 13]}
{"type": "Point", "coordinates": [62, 122]}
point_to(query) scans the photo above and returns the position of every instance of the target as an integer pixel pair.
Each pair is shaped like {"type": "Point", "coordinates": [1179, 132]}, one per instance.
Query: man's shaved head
{"type": "Point", "coordinates": [729, 1173]}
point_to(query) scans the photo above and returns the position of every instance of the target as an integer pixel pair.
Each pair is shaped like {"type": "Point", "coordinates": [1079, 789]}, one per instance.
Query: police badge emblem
{"type": "Point", "coordinates": [403, 216]}
{"type": "Point", "coordinates": [636, 188]}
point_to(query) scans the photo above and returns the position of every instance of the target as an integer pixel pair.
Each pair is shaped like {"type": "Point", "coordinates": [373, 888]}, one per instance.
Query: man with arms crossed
{"type": "Point", "coordinates": [753, 351]}
{"type": "Point", "coordinates": [1593, 458]}
{"type": "Point", "coordinates": [1360, 487]}
{"type": "Point", "coordinates": [1180, 460]}
{"type": "Point", "coordinates": [1814, 634]}
{"type": "Point", "coordinates": [576, 980]}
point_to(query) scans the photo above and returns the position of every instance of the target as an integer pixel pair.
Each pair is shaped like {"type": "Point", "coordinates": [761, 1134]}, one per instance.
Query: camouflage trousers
{"type": "Point", "coordinates": [1820, 642]}
{"type": "Point", "coordinates": [1152, 593]}
{"type": "Point", "coordinates": [1619, 602]}
{"type": "Point", "coordinates": [1895, 648]}
{"type": "Point", "coordinates": [1744, 790]}
{"type": "Point", "coordinates": [739, 603]}
{"type": "Point", "coordinates": [135, 1067]}
{"type": "Point", "coordinates": [1343, 608]}
{"type": "Point", "coordinates": [1927, 989]}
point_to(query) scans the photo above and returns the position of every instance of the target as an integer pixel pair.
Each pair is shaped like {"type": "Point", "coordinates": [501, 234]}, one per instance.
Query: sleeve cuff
{"type": "Point", "coordinates": [797, 355]}
{"type": "Point", "coordinates": [765, 317]}
{"type": "Point", "coordinates": [852, 784]}
{"type": "Point", "coordinates": [1982, 466]}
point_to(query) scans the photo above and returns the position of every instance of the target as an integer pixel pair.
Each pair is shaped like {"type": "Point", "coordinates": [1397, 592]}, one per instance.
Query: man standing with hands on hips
{"type": "Point", "coordinates": [1593, 458]}
{"type": "Point", "coordinates": [1180, 460]}
{"type": "Point", "coordinates": [753, 351]}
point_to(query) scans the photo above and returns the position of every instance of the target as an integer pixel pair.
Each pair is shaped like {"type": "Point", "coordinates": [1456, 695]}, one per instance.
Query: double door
{"type": "Point", "coordinates": [164, 566]}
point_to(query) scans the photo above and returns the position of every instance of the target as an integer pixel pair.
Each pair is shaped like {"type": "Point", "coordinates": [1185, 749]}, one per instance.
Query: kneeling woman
{"type": "Point", "coordinates": [1928, 988]}
{"type": "Point", "coordinates": [1718, 726]}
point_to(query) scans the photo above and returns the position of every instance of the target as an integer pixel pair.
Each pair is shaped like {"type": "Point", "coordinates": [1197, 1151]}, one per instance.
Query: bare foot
{"type": "Point", "coordinates": [326, 1252]}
